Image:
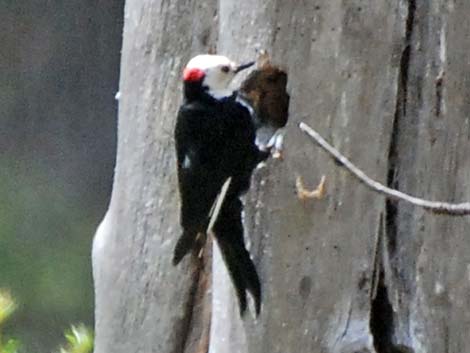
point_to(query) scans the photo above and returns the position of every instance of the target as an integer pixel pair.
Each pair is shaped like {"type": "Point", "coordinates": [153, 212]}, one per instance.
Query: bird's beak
{"type": "Point", "coordinates": [244, 66]}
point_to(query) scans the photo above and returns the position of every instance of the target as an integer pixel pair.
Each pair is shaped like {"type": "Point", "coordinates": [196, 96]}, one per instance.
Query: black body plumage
{"type": "Point", "coordinates": [215, 140]}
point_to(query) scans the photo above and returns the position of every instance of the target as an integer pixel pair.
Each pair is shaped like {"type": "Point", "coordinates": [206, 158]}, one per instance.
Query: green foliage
{"type": "Point", "coordinates": [11, 346]}
{"type": "Point", "coordinates": [7, 308]}
{"type": "Point", "coordinates": [45, 241]}
{"type": "Point", "coordinates": [79, 338]}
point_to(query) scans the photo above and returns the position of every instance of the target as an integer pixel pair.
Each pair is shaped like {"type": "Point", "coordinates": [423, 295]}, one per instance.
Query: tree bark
{"type": "Point", "coordinates": [385, 83]}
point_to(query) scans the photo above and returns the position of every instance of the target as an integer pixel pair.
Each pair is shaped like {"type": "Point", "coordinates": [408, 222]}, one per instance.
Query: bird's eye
{"type": "Point", "coordinates": [225, 68]}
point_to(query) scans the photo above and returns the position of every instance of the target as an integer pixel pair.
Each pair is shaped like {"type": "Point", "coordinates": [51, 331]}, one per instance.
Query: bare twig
{"type": "Point", "coordinates": [454, 209]}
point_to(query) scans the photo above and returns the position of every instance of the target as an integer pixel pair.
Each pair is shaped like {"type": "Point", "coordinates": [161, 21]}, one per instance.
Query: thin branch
{"type": "Point", "coordinates": [454, 209]}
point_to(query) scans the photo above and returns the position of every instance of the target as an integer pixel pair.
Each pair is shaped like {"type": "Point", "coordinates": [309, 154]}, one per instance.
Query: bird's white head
{"type": "Point", "coordinates": [213, 72]}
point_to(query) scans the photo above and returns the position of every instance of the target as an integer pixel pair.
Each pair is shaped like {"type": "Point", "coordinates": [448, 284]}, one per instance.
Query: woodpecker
{"type": "Point", "coordinates": [215, 137]}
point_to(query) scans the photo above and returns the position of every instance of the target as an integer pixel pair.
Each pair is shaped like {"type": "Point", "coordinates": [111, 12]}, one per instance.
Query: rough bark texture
{"type": "Point", "coordinates": [428, 273]}
{"type": "Point", "coordinates": [317, 260]}
{"type": "Point", "coordinates": [385, 83]}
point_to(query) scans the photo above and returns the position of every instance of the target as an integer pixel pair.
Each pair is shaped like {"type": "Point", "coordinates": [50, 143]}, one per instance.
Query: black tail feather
{"type": "Point", "coordinates": [229, 233]}
{"type": "Point", "coordinates": [252, 282]}
{"type": "Point", "coordinates": [183, 246]}
{"type": "Point", "coordinates": [235, 271]}
{"type": "Point", "coordinates": [236, 274]}
{"type": "Point", "coordinates": [243, 274]}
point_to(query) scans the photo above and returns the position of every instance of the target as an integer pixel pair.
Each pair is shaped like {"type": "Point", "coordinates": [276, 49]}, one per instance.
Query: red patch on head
{"type": "Point", "coordinates": [192, 75]}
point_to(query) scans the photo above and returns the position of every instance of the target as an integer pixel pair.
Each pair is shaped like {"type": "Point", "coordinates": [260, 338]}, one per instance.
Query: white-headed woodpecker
{"type": "Point", "coordinates": [215, 137]}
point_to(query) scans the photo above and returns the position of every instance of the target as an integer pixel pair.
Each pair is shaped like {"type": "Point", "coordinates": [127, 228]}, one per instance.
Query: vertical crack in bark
{"type": "Point", "coordinates": [382, 318]}
{"type": "Point", "coordinates": [193, 334]}
{"type": "Point", "coordinates": [439, 88]}
{"type": "Point", "coordinates": [439, 83]}
{"type": "Point", "coordinates": [381, 315]}
{"type": "Point", "coordinates": [400, 111]}
{"type": "Point", "coordinates": [183, 332]}
{"type": "Point", "coordinates": [402, 93]}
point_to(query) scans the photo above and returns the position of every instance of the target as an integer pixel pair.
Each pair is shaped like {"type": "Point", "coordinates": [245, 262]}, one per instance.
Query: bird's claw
{"type": "Point", "coordinates": [276, 145]}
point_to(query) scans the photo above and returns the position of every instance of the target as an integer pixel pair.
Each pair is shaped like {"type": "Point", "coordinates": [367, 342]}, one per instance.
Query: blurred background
{"type": "Point", "coordinates": [59, 72]}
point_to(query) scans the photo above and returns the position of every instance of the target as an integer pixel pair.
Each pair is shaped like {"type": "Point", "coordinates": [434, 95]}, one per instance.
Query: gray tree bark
{"type": "Point", "coordinates": [385, 83]}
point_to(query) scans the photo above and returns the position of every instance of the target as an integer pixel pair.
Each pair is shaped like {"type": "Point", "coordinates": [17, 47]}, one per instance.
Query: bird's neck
{"type": "Point", "coordinates": [195, 91]}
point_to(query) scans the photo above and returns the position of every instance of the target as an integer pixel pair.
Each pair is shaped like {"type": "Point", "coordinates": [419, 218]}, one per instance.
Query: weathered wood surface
{"type": "Point", "coordinates": [317, 260]}
{"type": "Point", "coordinates": [429, 256]}
{"type": "Point", "coordinates": [386, 83]}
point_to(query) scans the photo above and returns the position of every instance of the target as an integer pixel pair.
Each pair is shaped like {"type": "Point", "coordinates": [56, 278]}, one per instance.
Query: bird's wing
{"type": "Point", "coordinates": [197, 185]}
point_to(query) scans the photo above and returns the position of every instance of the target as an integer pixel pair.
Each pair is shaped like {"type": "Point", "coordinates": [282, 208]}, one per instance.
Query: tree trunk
{"type": "Point", "coordinates": [385, 83]}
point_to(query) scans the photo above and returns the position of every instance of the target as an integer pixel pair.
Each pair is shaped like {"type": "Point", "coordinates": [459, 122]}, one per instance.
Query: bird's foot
{"type": "Point", "coordinates": [276, 145]}
{"type": "Point", "coordinates": [304, 194]}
